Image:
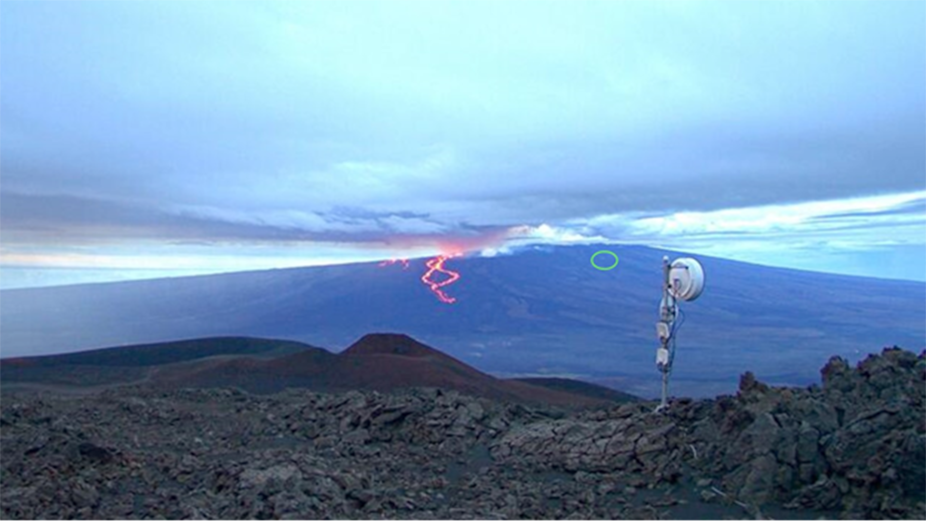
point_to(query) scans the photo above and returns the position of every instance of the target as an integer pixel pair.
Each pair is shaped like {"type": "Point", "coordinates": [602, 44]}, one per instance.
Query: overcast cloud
{"type": "Point", "coordinates": [177, 131]}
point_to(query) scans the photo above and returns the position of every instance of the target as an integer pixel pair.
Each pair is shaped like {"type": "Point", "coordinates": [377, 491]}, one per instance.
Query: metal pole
{"type": "Point", "coordinates": [665, 390]}
{"type": "Point", "coordinates": [664, 331]}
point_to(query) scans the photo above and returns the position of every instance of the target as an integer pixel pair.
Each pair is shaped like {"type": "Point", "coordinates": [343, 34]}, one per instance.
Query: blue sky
{"type": "Point", "coordinates": [153, 138]}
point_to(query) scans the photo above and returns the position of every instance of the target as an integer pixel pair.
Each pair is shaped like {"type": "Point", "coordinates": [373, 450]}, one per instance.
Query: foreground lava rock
{"type": "Point", "coordinates": [853, 447]}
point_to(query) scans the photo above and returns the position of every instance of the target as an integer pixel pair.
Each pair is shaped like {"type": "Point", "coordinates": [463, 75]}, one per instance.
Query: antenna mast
{"type": "Point", "coordinates": [683, 279]}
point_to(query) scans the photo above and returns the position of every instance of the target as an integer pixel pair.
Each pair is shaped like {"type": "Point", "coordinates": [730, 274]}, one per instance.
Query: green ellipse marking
{"type": "Point", "coordinates": [597, 267]}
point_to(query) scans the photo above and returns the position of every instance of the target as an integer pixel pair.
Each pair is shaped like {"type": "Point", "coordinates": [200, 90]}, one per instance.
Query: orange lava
{"type": "Point", "coordinates": [437, 265]}
{"type": "Point", "coordinates": [394, 261]}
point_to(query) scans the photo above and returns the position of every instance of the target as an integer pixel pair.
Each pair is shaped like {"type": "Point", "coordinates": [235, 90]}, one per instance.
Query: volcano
{"type": "Point", "coordinates": [542, 312]}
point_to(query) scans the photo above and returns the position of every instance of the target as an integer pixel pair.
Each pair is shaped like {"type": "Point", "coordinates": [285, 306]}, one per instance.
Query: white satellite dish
{"type": "Point", "coordinates": [686, 279]}
{"type": "Point", "coordinates": [683, 280]}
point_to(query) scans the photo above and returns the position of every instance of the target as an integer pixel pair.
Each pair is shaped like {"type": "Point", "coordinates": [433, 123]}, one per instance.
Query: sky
{"type": "Point", "coordinates": [142, 139]}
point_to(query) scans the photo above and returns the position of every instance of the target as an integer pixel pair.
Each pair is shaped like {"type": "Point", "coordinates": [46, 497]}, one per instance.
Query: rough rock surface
{"type": "Point", "coordinates": [853, 447]}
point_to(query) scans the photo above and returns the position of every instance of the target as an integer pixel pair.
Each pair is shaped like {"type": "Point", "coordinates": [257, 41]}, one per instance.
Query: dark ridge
{"type": "Point", "coordinates": [164, 352]}
{"type": "Point", "coordinates": [582, 388]}
{"type": "Point", "coordinates": [382, 362]}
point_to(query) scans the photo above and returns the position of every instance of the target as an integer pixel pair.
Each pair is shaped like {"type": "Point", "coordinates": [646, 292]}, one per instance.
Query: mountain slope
{"type": "Point", "coordinates": [545, 311]}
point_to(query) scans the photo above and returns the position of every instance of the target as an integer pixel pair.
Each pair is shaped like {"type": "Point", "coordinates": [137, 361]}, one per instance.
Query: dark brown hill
{"type": "Point", "coordinates": [391, 344]}
{"type": "Point", "coordinates": [387, 348]}
{"type": "Point", "coordinates": [376, 362]}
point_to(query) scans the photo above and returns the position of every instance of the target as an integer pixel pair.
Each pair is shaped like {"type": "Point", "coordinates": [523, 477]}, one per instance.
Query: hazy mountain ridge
{"type": "Point", "coordinates": [543, 311]}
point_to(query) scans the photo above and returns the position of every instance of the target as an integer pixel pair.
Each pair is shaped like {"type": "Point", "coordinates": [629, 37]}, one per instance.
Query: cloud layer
{"type": "Point", "coordinates": [366, 125]}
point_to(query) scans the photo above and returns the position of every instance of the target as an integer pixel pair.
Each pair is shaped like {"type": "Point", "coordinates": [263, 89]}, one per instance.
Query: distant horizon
{"type": "Point", "coordinates": [66, 276]}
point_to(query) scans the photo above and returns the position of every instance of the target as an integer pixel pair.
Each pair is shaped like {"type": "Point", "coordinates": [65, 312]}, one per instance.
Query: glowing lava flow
{"type": "Point", "coordinates": [393, 261]}
{"type": "Point", "coordinates": [434, 265]}
{"type": "Point", "coordinates": [437, 264]}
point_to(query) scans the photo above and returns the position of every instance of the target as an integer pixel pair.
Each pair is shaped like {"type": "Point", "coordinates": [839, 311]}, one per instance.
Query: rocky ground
{"type": "Point", "coordinates": [853, 447]}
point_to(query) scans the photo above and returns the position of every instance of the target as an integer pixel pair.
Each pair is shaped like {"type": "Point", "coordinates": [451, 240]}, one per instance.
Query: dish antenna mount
{"type": "Point", "coordinates": [683, 279]}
